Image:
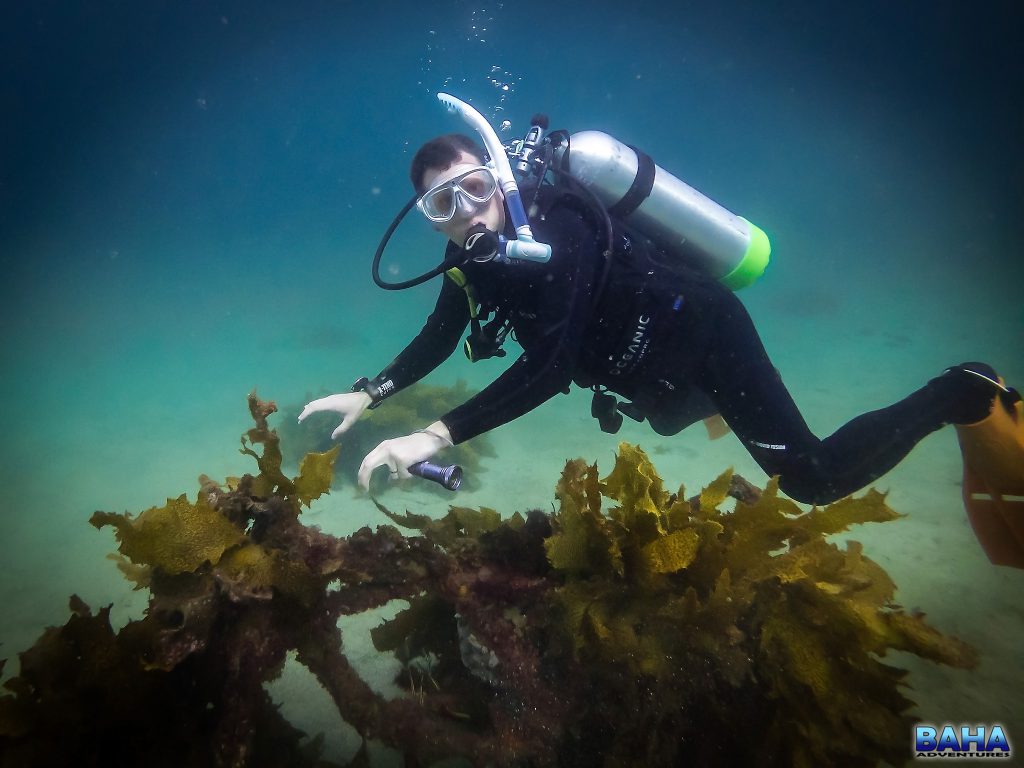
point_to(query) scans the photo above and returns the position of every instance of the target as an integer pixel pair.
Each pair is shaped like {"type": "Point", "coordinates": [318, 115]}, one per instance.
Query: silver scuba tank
{"type": "Point", "coordinates": [673, 214]}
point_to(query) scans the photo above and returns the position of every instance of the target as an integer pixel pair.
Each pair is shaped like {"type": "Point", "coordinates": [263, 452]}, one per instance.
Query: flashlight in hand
{"type": "Point", "coordinates": [450, 477]}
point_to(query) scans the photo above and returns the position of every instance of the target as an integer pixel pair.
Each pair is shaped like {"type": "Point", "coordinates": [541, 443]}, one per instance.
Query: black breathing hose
{"type": "Point", "coordinates": [375, 269]}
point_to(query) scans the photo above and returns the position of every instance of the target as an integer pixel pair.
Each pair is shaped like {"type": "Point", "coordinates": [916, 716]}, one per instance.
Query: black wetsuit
{"type": "Point", "coordinates": [678, 344]}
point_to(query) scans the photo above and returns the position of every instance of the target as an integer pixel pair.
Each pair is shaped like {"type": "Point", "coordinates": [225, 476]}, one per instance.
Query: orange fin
{"type": "Point", "coordinates": [993, 453]}
{"type": "Point", "coordinates": [997, 520]}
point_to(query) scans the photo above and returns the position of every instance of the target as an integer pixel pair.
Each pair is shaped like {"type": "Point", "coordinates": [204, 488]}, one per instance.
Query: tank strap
{"type": "Point", "coordinates": [639, 190]}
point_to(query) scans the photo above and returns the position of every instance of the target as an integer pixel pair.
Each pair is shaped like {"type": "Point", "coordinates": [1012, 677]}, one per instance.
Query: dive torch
{"type": "Point", "coordinates": [450, 477]}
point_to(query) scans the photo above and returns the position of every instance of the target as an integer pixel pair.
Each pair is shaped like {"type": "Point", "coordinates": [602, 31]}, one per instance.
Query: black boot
{"type": "Point", "coordinates": [970, 390]}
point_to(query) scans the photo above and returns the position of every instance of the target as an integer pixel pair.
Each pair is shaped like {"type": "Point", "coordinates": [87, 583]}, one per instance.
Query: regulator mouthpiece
{"type": "Point", "coordinates": [481, 243]}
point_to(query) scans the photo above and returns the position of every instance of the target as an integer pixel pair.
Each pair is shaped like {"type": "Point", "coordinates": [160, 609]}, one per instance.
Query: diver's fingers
{"type": "Point", "coordinates": [366, 472]}
{"type": "Point", "coordinates": [342, 428]}
{"type": "Point", "coordinates": [379, 456]}
{"type": "Point", "coordinates": [346, 424]}
{"type": "Point", "coordinates": [314, 406]}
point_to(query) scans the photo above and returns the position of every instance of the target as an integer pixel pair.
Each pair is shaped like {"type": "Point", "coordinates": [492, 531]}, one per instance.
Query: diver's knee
{"type": "Point", "coordinates": [810, 479]}
{"type": "Point", "coordinates": [809, 489]}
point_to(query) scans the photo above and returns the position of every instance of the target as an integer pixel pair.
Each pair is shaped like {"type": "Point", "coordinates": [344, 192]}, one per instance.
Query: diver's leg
{"type": "Point", "coordinates": [751, 396]}
{"type": "Point", "coordinates": [868, 446]}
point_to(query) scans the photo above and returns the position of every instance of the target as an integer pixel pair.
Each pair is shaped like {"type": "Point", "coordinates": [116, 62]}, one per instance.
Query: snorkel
{"type": "Point", "coordinates": [481, 244]}
{"type": "Point", "coordinates": [524, 247]}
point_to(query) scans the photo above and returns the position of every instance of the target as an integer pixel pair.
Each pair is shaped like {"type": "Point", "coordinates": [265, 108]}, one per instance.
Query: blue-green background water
{"type": "Point", "coordinates": [190, 194]}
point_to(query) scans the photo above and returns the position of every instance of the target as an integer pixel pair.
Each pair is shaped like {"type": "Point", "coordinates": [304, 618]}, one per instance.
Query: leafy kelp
{"type": "Point", "coordinates": [693, 621]}
{"type": "Point", "coordinates": [661, 631]}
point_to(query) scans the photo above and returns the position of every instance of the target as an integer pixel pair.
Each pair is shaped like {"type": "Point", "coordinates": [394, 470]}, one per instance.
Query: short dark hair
{"type": "Point", "coordinates": [440, 153]}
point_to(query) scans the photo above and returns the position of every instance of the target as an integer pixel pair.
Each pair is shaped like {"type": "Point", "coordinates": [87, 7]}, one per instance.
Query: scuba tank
{"type": "Point", "coordinates": [674, 215]}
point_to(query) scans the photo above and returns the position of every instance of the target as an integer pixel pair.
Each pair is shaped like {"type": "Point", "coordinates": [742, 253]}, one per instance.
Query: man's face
{"type": "Point", "coordinates": [491, 214]}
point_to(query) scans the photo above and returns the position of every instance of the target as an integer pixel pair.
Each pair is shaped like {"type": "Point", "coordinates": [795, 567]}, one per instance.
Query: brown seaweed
{"type": "Point", "coordinates": [656, 631]}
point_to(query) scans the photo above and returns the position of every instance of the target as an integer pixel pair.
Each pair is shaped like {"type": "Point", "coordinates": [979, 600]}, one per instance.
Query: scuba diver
{"type": "Point", "coordinates": [560, 256]}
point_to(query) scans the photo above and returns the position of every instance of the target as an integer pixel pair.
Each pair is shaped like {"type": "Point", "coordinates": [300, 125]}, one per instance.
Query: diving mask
{"type": "Point", "coordinates": [474, 187]}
